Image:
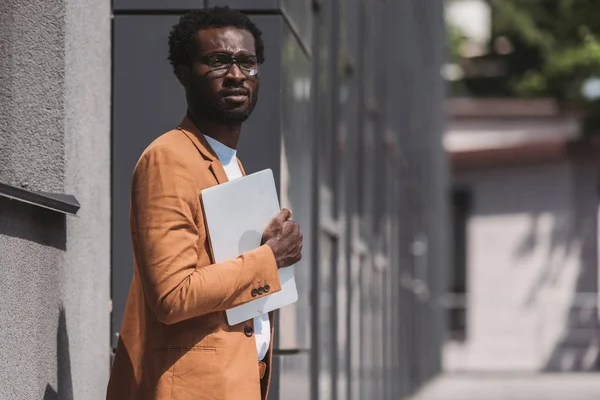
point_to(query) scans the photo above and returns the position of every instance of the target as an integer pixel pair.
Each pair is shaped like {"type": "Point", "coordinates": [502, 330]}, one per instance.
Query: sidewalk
{"type": "Point", "coordinates": [512, 387]}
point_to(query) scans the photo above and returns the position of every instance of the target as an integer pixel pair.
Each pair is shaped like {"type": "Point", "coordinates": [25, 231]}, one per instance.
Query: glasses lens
{"type": "Point", "coordinates": [219, 61]}
{"type": "Point", "coordinates": [249, 64]}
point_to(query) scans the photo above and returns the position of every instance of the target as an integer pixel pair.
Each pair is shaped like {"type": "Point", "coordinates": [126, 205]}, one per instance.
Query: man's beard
{"type": "Point", "coordinates": [216, 109]}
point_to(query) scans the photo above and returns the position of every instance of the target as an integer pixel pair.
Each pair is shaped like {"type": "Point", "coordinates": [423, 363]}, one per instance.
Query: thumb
{"type": "Point", "coordinates": [284, 215]}
{"type": "Point", "coordinates": [280, 218]}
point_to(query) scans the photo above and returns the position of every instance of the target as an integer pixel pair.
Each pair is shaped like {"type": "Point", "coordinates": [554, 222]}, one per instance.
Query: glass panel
{"type": "Point", "coordinates": [300, 15]}
{"type": "Point", "coordinates": [324, 112]}
{"type": "Point", "coordinates": [355, 329]}
{"type": "Point", "coordinates": [296, 182]}
{"type": "Point", "coordinates": [346, 171]}
{"type": "Point", "coordinates": [342, 331]}
{"type": "Point", "coordinates": [366, 313]}
{"type": "Point", "coordinates": [368, 169]}
{"type": "Point", "coordinates": [327, 245]}
{"type": "Point", "coordinates": [326, 314]}
{"type": "Point", "coordinates": [156, 5]}
{"type": "Point", "coordinates": [369, 140]}
{"type": "Point", "coordinates": [293, 380]}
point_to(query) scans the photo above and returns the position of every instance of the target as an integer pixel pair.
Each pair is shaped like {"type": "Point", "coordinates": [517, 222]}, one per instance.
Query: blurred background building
{"type": "Point", "coordinates": [525, 206]}
{"type": "Point", "coordinates": [521, 134]}
{"type": "Point", "coordinates": [351, 122]}
{"type": "Point", "coordinates": [525, 202]}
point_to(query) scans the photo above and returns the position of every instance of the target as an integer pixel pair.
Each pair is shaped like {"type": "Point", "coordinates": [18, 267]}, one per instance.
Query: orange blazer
{"type": "Point", "coordinates": [175, 342]}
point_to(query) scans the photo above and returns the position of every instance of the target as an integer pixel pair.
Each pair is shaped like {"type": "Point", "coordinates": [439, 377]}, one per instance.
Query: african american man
{"type": "Point", "coordinates": [175, 342]}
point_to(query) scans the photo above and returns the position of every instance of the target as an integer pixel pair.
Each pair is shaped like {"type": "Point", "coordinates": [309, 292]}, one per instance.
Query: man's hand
{"type": "Point", "coordinates": [284, 238]}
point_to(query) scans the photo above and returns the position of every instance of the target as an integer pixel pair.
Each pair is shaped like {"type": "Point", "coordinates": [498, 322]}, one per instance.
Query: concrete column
{"type": "Point", "coordinates": [55, 66]}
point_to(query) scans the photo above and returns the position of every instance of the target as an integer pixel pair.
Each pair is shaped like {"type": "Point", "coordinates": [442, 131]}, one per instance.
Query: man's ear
{"type": "Point", "coordinates": [183, 74]}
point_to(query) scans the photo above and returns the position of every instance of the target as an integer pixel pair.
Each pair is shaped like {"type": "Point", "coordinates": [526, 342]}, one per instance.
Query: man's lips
{"type": "Point", "coordinates": [235, 96]}
{"type": "Point", "coordinates": [239, 98]}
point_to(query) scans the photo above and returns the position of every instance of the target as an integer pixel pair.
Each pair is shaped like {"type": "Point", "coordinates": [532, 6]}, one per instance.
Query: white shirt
{"type": "Point", "coordinates": [227, 156]}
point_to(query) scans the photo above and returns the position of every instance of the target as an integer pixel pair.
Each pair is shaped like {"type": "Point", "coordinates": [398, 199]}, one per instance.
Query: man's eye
{"type": "Point", "coordinates": [219, 61]}
{"type": "Point", "coordinates": [248, 63]}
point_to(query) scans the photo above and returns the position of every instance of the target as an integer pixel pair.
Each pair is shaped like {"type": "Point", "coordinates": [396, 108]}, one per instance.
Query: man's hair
{"type": "Point", "coordinates": [182, 39]}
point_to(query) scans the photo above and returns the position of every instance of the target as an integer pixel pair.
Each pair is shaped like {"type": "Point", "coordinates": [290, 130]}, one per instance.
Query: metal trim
{"type": "Point", "coordinates": [59, 202]}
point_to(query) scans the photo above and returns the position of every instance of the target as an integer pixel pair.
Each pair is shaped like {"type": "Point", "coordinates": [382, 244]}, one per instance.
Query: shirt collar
{"type": "Point", "coordinates": [224, 153]}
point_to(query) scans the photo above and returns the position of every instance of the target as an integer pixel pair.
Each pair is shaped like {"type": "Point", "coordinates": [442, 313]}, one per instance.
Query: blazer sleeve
{"type": "Point", "coordinates": [164, 203]}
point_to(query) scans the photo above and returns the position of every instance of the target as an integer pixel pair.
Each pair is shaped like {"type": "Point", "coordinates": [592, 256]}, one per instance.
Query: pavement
{"type": "Point", "coordinates": [574, 386]}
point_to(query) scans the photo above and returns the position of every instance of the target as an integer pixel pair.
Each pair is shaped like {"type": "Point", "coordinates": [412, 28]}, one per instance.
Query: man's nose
{"type": "Point", "coordinates": [235, 73]}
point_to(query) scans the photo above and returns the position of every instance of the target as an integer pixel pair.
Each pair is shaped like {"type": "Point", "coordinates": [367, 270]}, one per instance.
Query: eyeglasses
{"type": "Point", "coordinates": [221, 63]}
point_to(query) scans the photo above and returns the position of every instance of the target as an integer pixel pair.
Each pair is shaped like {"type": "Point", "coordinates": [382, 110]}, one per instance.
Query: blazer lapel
{"type": "Point", "coordinates": [218, 171]}
{"type": "Point", "coordinates": [191, 131]}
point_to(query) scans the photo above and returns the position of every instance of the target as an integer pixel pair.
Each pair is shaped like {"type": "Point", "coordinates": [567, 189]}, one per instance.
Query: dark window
{"type": "Point", "coordinates": [461, 205]}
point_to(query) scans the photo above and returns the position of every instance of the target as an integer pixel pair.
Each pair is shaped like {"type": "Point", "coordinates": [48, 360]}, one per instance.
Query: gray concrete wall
{"type": "Point", "coordinates": [54, 136]}
{"type": "Point", "coordinates": [532, 270]}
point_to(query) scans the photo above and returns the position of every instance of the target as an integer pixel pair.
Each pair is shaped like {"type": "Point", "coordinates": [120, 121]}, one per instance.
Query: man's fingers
{"type": "Point", "coordinates": [291, 226]}
{"type": "Point", "coordinates": [287, 228]}
{"type": "Point", "coordinates": [279, 220]}
{"type": "Point", "coordinates": [284, 215]}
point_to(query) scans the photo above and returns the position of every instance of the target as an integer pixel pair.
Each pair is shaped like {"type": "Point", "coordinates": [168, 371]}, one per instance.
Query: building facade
{"type": "Point", "coordinates": [350, 120]}
{"type": "Point", "coordinates": [526, 235]}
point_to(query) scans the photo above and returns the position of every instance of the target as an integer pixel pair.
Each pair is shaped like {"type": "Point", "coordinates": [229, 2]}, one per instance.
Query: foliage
{"type": "Point", "coordinates": [456, 38]}
{"type": "Point", "coordinates": [556, 47]}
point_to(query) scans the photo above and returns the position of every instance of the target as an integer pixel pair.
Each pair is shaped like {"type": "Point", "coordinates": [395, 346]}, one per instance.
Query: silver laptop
{"type": "Point", "coordinates": [237, 213]}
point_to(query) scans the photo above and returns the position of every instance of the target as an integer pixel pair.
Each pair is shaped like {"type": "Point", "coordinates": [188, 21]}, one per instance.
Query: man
{"type": "Point", "coordinates": [175, 342]}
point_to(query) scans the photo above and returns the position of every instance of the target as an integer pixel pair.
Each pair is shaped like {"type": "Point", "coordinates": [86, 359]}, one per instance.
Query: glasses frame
{"type": "Point", "coordinates": [222, 71]}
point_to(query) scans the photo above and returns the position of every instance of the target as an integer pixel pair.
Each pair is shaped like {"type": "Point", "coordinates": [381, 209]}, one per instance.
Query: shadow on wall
{"type": "Point", "coordinates": [568, 235]}
{"type": "Point", "coordinates": [578, 349]}
{"type": "Point", "coordinates": [33, 223]}
{"type": "Point", "coordinates": [46, 229]}
{"type": "Point", "coordinates": [64, 391]}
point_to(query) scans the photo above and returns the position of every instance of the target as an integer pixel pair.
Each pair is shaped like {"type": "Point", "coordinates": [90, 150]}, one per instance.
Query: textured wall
{"type": "Point", "coordinates": [54, 136]}
{"type": "Point", "coordinates": [32, 35]}
{"type": "Point", "coordinates": [87, 175]}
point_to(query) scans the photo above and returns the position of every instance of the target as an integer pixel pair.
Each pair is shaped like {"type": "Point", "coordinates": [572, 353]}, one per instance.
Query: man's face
{"type": "Point", "coordinates": [224, 97]}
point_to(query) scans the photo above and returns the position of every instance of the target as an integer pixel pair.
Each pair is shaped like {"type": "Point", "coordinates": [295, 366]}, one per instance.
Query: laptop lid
{"type": "Point", "coordinates": [237, 213]}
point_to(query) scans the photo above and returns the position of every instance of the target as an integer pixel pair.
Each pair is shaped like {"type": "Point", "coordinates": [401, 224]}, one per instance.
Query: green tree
{"type": "Point", "coordinates": [556, 48]}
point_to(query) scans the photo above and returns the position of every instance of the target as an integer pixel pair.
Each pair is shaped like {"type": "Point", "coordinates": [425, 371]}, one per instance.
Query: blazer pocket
{"type": "Point", "coordinates": [195, 373]}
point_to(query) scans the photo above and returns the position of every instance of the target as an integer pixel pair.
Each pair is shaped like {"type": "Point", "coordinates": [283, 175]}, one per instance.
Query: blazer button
{"type": "Point", "coordinates": [254, 292]}
{"type": "Point", "coordinates": [267, 288]}
{"type": "Point", "coordinates": [261, 290]}
{"type": "Point", "coordinates": [248, 331]}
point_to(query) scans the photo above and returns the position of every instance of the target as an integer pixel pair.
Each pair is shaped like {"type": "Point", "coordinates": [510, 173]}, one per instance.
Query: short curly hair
{"type": "Point", "coordinates": [182, 39]}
